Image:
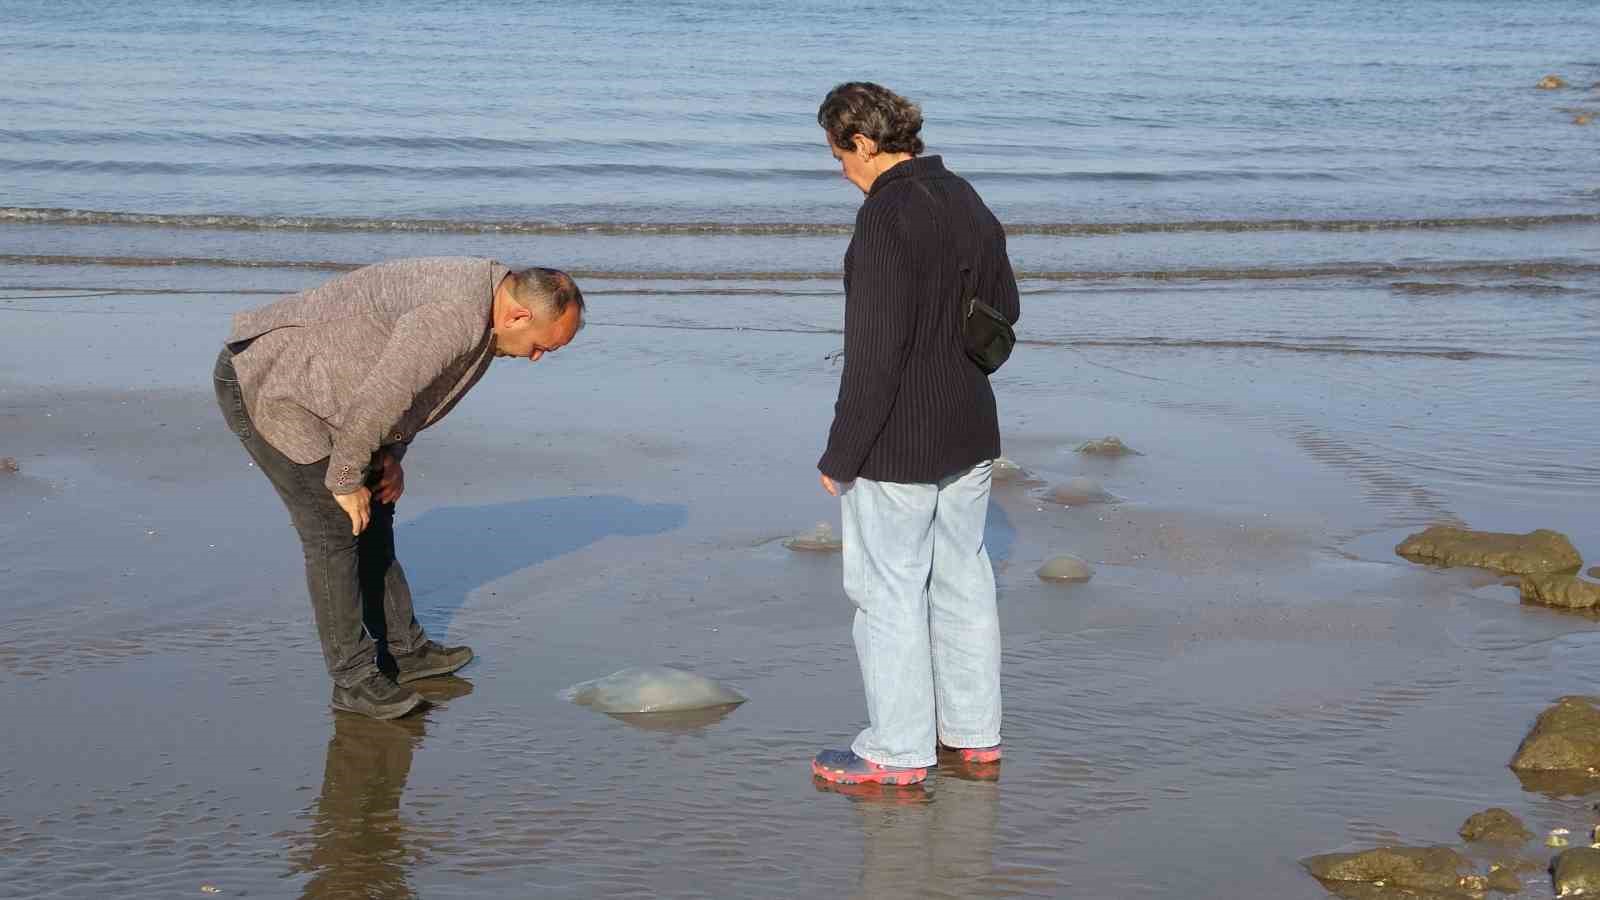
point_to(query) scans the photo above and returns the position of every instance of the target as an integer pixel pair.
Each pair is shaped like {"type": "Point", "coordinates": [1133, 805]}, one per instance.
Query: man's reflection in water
{"type": "Point", "coordinates": [357, 842]}
{"type": "Point", "coordinates": [930, 840]}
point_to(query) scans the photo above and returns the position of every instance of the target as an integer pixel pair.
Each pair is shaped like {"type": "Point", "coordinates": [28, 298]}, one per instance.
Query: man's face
{"type": "Point", "coordinates": [538, 332]}
{"type": "Point", "coordinates": [854, 165]}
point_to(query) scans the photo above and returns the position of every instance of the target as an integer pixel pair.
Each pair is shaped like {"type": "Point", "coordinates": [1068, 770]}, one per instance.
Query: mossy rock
{"type": "Point", "coordinates": [1576, 872]}
{"type": "Point", "coordinates": [1565, 737]}
{"type": "Point", "coordinates": [1561, 591]}
{"type": "Point", "coordinates": [1535, 553]}
{"type": "Point", "coordinates": [1495, 825]}
{"type": "Point", "coordinates": [1438, 869]}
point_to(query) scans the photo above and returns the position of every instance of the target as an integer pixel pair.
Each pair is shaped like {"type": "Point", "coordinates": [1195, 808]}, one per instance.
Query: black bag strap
{"type": "Point", "coordinates": [964, 298]}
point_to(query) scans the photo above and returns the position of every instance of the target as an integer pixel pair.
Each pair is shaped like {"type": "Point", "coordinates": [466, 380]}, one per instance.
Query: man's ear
{"type": "Point", "coordinates": [866, 147]}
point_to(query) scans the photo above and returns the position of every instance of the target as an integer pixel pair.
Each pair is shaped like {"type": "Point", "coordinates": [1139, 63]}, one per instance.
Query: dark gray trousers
{"type": "Point", "coordinates": [359, 594]}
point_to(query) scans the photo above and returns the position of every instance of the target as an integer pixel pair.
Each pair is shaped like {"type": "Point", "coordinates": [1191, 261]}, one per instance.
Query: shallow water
{"type": "Point", "coordinates": [1250, 653]}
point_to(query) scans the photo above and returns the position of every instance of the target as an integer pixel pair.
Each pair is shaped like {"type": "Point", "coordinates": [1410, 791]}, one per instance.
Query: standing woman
{"type": "Point", "coordinates": [914, 433]}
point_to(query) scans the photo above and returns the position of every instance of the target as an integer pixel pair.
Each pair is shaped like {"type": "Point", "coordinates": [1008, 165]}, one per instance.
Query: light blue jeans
{"type": "Point", "coordinates": [926, 628]}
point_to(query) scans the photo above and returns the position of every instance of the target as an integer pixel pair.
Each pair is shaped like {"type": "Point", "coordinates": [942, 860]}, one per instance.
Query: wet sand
{"type": "Point", "coordinates": [1251, 677]}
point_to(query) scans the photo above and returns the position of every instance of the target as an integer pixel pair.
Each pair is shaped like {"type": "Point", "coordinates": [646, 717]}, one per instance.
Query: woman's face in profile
{"type": "Point", "coordinates": [853, 163]}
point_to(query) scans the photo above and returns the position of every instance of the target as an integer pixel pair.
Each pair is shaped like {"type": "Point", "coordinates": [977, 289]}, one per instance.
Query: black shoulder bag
{"type": "Point", "coordinates": [989, 337]}
{"type": "Point", "coordinates": [986, 335]}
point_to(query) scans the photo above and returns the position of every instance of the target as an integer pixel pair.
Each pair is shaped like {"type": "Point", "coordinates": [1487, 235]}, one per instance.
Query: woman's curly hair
{"type": "Point", "coordinates": [872, 110]}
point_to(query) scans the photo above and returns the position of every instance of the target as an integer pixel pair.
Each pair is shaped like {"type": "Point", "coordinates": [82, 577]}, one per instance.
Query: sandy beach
{"type": "Point", "coordinates": [1250, 677]}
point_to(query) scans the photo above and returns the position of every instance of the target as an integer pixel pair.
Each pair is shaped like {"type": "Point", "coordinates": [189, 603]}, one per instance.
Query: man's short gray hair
{"type": "Point", "coordinates": [549, 290]}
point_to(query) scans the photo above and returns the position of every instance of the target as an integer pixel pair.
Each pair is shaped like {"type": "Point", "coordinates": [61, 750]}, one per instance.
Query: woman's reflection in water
{"type": "Point", "coordinates": [357, 843]}
{"type": "Point", "coordinates": [929, 840]}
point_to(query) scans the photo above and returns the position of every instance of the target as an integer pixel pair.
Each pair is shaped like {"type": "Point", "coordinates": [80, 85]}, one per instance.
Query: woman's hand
{"type": "Point", "coordinates": [829, 485]}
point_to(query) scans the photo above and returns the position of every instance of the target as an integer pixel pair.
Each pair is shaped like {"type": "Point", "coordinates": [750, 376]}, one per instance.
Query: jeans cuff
{"type": "Point", "coordinates": [904, 761]}
{"type": "Point", "coordinates": [969, 741]}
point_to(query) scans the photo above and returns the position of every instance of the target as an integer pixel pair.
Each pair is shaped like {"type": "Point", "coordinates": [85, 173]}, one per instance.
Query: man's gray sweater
{"type": "Point", "coordinates": [366, 360]}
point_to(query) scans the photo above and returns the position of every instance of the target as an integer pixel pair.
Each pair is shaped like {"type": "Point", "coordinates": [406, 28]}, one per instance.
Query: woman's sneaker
{"type": "Point", "coordinates": [376, 696]}
{"type": "Point", "coordinates": [430, 661]}
{"type": "Point", "coordinates": [844, 767]}
{"type": "Point", "coordinates": [975, 756]}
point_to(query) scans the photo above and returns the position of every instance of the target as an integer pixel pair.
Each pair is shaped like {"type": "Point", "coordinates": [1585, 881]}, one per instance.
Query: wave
{"type": "Point", "coordinates": [1328, 348]}
{"type": "Point", "coordinates": [230, 222]}
{"type": "Point", "coordinates": [1448, 288]}
{"type": "Point", "coordinates": [1352, 270]}
{"type": "Point", "coordinates": [592, 169]}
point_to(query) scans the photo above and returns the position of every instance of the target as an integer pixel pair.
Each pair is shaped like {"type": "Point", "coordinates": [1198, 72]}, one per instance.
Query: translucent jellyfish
{"type": "Point", "coordinates": [1079, 491]}
{"type": "Point", "coordinates": [1004, 471]}
{"type": "Point", "coordinates": [1066, 569]}
{"type": "Point", "coordinates": [820, 539]}
{"type": "Point", "coordinates": [652, 690]}
{"type": "Point", "coordinates": [1107, 446]}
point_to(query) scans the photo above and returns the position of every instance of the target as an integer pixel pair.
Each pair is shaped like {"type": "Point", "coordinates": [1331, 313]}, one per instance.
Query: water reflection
{"type": "Point", "coordinates": [689, 721]}
{"type": "Point", "coordinates": [356, 845]}
{"type": "Point", "coordinates": [930, 840]}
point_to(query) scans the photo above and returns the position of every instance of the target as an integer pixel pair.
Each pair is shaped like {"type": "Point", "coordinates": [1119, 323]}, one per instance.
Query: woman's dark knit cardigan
{"type": "Point", "coordinates": [912, 407]}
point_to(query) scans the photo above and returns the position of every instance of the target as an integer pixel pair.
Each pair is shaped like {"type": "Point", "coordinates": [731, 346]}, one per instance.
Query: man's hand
{"type": "Point", "coordinates": [831, 486]}
{"type": "Point", "coordinates": [391, 480]}
{"type": "Point", "coordinates": [358, 506]}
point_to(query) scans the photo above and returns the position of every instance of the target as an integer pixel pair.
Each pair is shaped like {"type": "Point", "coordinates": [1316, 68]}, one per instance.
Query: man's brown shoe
{"type": "Point", "coordinates": [430, 661]}
{"type": "Point", "coordinates": [376, 696]}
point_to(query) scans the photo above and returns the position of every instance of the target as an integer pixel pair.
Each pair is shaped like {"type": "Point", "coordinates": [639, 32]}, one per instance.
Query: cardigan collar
{"type": "Point", "coordinates": [915, 167]}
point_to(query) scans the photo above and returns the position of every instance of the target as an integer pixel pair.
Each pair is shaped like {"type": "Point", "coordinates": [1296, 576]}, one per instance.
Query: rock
{"type": "Point", "coordinates": [820, 539]}
{"type": "Point", "coordinates": [1107, 446]}
{"type": "Point", "coordinates": [1067, 570]}
{"type": "Point", "coordinates": [1496, 825]}
{"type": "Point", "coordinates": [655, 690]}
{"type": "Point", "coordinates": [1534, 553]}
{"type": "Point", "coordinates": [1079, 491]}
{"type": "Point", "coordinates": [9, 465]}
{"type": "Point", "coordinates": [1410, 868]}
{"type": "Point", "coordinates": [1552, 83]}
{"type": "Point", "coordinates": [1576, 872]}
{"type": "Point", "coordinates": [1565, 737]}
{"type": "Point", "coordinates": [1557, 838]}
{"type": "Point", "coordinates": [1564, 591]}
{"type": "Point", "coordinates": [1594, 572]}
{"type": "Point", "coordinates": [1504, 880]}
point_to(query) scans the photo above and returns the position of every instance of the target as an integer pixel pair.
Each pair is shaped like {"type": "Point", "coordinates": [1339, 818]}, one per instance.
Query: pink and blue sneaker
{"type": "Point", "coordinates": [844, 767]}
{"type": "Point", "coordinates": [975, 756]}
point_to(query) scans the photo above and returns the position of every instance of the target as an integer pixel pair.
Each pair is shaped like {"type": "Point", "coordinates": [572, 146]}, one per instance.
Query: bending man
{"type": "Point", "coordinates": [326, 389]}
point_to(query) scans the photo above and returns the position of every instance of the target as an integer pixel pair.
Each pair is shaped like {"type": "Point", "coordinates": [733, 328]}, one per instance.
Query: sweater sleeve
{"type": "Point", "coordinates": [879, 309]}
{"type": "Point", "coordinates": [422, 345]}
